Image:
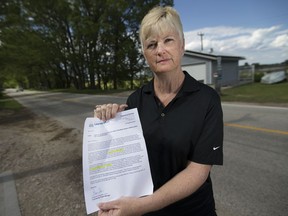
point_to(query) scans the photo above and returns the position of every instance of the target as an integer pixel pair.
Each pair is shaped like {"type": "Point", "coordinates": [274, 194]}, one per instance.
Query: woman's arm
{"type": "Point", "coordinates": [182, 185]}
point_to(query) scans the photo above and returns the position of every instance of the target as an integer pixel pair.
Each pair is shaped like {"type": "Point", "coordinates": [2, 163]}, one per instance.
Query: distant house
{"type": "Point", "coordinates": [205, 67]}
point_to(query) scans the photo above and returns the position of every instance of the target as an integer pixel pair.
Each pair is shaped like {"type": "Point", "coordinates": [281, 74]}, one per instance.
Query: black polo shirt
{"type": "Point", "coordinates": [190, 128]}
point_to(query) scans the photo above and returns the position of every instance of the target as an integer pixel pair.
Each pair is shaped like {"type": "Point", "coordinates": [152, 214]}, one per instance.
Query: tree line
{"type": "Point", "coordinates": [72, 43]}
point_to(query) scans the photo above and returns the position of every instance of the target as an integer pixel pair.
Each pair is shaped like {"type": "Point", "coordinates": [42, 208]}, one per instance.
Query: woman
{"type": "Point", "coordinates": [182, 124]}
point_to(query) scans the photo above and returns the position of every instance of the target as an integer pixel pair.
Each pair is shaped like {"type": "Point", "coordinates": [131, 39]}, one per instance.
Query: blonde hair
{"type": "Point", "coordinates": [159, 20]}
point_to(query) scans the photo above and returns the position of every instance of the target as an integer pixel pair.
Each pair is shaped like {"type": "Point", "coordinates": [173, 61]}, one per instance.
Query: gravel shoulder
{"type": "Point", "coordinates": [46, 161]}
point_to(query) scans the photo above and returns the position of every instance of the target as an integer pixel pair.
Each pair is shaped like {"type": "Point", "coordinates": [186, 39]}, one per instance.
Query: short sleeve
{"type": "Point", "coordinates": [209, 147]}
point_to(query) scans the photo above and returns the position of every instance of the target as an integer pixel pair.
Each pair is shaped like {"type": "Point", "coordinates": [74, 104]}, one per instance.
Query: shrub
{"type": "Point", "coordinates": [257, 76]}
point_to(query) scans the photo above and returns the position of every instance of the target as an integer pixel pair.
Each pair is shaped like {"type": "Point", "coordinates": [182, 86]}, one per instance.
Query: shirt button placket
{"type": "Point", "coordinates": [162, 114]}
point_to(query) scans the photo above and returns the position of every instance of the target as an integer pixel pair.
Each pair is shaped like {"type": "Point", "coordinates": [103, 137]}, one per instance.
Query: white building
{"type": "Point", "coordinates": [205, 67]}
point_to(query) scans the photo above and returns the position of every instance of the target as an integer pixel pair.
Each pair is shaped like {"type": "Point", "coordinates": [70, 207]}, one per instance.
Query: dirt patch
{"type": "Point", "coordinates": [46, 160]}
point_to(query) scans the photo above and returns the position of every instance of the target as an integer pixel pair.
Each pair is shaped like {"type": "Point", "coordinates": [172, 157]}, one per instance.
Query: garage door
{"type": "Point", "coordinates": [198, 71]}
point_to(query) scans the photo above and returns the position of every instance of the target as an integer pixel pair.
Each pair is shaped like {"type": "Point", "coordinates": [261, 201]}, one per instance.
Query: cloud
{"type": "Point", "coordinates": [257, 45]}
{"type": "Point", "coordinates": [280, 41]}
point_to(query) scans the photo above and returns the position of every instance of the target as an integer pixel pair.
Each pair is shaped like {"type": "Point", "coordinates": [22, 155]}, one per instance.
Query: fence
{"type": "Point", "coordinates": [246, 74]}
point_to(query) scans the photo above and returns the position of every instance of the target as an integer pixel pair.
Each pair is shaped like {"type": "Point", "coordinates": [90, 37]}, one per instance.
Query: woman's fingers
{"type": "Point", "coordinates": [108, 111]}
{"type": "Point", "coordinates": [122, 107]}
{"type": "Point", "coordinates": [115, 108]}
{"type": "Point", "coordinates": [97, 112]}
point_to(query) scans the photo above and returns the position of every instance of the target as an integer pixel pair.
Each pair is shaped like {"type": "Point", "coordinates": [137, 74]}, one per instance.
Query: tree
{"type": "Point", "coordinates": [84, 43]}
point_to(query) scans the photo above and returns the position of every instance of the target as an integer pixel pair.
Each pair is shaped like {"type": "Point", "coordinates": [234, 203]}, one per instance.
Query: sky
{"type": "Point", "coordinates": [254, 29]}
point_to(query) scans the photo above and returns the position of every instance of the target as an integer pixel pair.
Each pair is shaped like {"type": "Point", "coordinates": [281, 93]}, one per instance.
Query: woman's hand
{"type": "Point", "coordinates": [108, 111]}
{"type": "Point", "coordinates": [125, 206]}
{"type": "Point", "coordinates": [180, 186]}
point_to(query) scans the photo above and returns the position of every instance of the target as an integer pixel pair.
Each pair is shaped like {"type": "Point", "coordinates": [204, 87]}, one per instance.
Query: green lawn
{"type": "Point", "coordinates": [8, 103]}
{"type": "Point", "coordinates": [257, 93]}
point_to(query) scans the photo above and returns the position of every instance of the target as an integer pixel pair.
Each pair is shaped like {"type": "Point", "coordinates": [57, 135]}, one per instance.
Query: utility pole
{"type": "Point", "coordinates": [201, 36]}
{"type": "Point", "coordinates": [218, 75]}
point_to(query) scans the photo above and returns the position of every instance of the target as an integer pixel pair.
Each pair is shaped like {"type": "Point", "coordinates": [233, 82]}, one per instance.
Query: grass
{"type": "Point", "coordinates": [257, 93]}
{"type": "Point", "coordinates": [8, 103]}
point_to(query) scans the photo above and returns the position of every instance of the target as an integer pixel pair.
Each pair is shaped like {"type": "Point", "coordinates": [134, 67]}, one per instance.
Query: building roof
{"type": "Point", "coordinates": [212, 56]}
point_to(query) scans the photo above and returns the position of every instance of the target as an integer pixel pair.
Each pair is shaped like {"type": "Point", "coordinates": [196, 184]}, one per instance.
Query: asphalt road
{"type": "Point", "coordinates": [253, 180]}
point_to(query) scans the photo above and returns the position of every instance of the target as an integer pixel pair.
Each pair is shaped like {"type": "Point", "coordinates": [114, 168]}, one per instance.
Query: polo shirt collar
{"type": "Point", "coordinates": [189, 85]}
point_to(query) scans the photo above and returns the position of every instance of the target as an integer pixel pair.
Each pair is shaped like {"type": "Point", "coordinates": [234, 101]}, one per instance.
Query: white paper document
{"type": "Point", "coordinates": [115, 160]}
